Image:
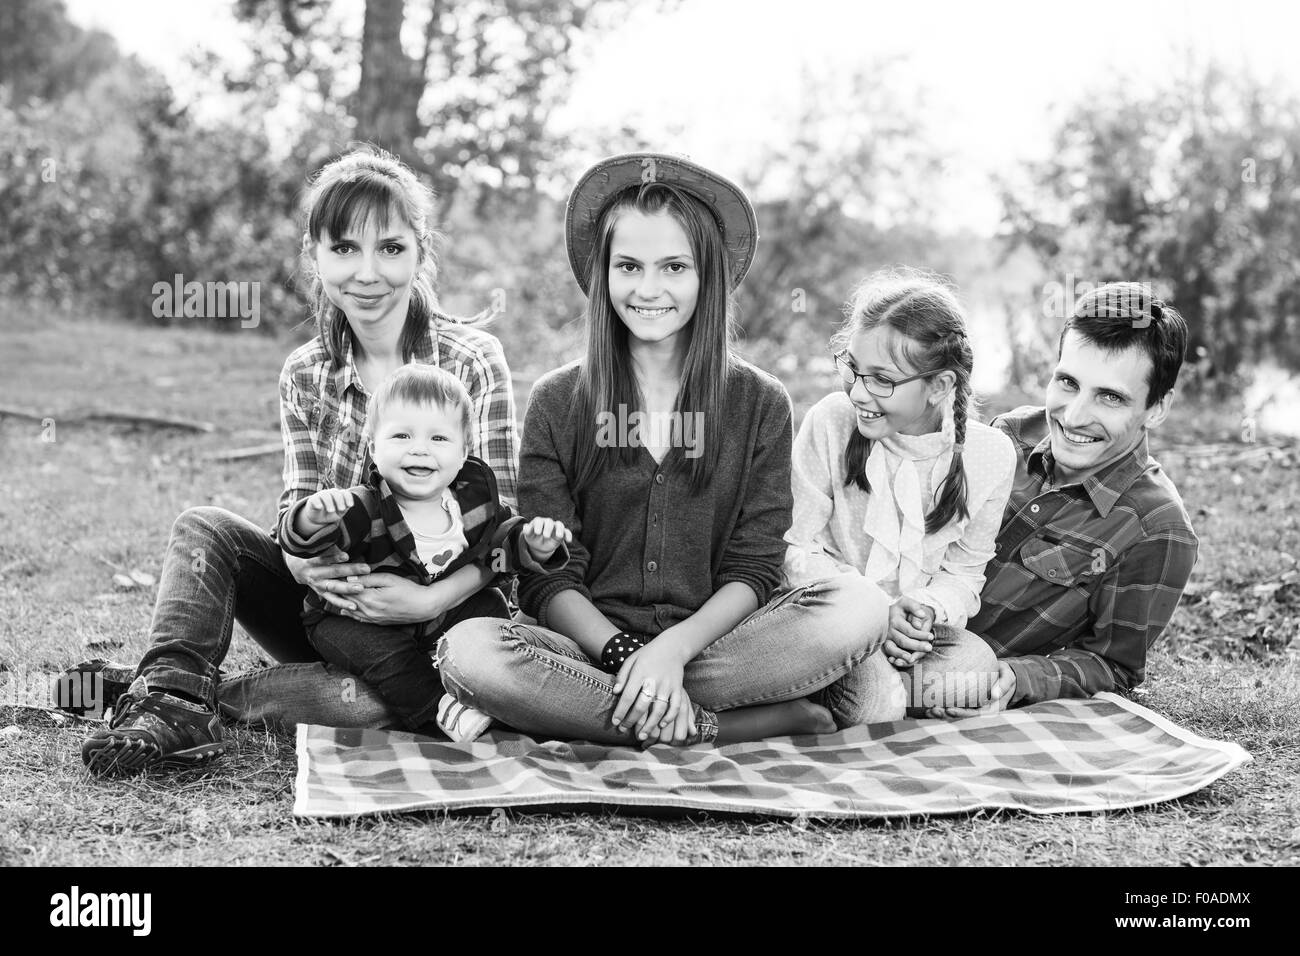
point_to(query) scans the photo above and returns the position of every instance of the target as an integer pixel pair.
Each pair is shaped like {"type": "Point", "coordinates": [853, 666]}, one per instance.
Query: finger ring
{"type": "Point", "coordinates": [648, 693]}
{"type": "Point", "coordinates": [664, 699]}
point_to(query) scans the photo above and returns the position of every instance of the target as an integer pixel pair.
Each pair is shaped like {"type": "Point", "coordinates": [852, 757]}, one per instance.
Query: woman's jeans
{"type": "Point", "coordinates": [221, 568]}
{"type": "Point", "coordinates": [541, 683]}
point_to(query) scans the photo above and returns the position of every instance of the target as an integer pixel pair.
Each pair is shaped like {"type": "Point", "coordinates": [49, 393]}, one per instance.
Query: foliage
{"type": "Point", "coordinates": [1190, 188]}
{"type": "Point", "coordinates": [466, 105]}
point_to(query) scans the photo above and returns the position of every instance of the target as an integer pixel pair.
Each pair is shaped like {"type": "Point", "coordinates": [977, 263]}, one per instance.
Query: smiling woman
{"type": "Point", "coordinates": [369, 246]}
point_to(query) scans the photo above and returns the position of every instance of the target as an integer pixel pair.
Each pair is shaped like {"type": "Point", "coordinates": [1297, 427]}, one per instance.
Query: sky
{"type": "Point", "coordinates": [719, 79]}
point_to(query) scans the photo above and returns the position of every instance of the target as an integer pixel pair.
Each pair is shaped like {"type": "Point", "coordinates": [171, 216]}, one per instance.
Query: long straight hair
{"type": "Point", "coordinates": [924, 311]}
{"type": "Point", "coordinates": [367, 185]}
{"type": "Point", "coordinates": [606, 377]}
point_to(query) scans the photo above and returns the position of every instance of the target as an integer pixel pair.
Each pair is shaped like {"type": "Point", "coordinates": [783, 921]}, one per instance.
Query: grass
{"type": "Point", "coordinates": [100, 498]}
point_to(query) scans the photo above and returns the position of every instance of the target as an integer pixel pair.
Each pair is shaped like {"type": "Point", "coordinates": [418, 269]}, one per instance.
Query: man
{"type": "Point", "coordinates": [1095, 547]}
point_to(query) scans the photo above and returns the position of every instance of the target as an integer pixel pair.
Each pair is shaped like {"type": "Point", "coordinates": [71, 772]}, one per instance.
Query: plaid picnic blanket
{"type": "Point", "coordinates": [1060, 756]}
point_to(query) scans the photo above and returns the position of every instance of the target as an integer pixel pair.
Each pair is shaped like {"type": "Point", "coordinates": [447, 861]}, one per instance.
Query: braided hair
{"type": "Point", "coordinates": [926, 313]}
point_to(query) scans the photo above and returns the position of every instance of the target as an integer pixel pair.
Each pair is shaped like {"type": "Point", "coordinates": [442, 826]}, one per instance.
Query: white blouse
{"type": "Point", "coordinates": [839, 528]}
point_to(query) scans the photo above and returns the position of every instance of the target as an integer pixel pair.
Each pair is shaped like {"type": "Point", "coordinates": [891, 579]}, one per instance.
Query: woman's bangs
{"type": "Point", "coordinates": [346, 208]}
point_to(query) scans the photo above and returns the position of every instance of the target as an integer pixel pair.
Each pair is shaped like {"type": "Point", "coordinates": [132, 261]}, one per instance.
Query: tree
{"type": "Point", "coordinates": [1191, 189]}
{"type": "Point", "coordinates": [43, 55]}
{"type": "Point", "coordinates": [468, 104]}
{"type": "Point", "coordinates": [838, 197]}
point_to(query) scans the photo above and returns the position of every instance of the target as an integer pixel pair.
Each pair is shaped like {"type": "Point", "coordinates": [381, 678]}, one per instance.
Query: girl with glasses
{"type": "Point", "coordinates": [892, 481]}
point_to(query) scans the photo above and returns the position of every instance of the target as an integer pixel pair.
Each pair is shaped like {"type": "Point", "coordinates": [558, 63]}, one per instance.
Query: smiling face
{"type": "Point", "coordinates": [653, 281]}
{"type": "Point", "coordinates": [418, 448]}
{"type": "Point", "coordinates": [368, 272]}
{"type": "Point", "coordinates": [914, 408]}
{"type": "Point", "coordinates": [1097, 406]}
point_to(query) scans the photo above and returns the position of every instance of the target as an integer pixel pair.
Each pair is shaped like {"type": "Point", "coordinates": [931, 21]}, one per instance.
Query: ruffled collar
{"type": "Point", "coordinates": [895, 515]}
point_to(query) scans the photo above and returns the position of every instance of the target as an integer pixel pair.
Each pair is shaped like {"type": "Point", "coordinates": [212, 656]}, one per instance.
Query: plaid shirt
{"type": "Point", "coordinates": [374, 531]}
{"type": "Point", "coordinates": [1085, 577]}
{"type": "Point", "coordinates": [323, 411]}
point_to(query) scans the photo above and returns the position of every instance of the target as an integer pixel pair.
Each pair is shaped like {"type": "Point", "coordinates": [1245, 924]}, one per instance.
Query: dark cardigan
{"type": "Point", "coordinates": [647, 552]}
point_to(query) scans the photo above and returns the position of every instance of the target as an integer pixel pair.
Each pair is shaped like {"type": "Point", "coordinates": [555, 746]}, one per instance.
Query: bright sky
{"type": "Point", "coordinates": [716, 79]}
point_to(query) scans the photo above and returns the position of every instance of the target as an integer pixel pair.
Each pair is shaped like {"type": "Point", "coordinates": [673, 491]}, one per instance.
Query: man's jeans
{"type": "Point", "coordinates": [221, 568]}
{"type": "Point", "coordinates": [541, 683]}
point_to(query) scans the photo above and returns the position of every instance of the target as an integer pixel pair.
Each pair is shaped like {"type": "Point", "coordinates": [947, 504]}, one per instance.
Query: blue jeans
{"type": "Point", "coordinates": [220, 568]}
{"type": "Point", "coordinates": [541, 683]}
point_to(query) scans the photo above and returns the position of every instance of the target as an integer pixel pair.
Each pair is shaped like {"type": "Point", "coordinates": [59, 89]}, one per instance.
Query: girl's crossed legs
{"type": "Point", "coordinates": [540, 682]}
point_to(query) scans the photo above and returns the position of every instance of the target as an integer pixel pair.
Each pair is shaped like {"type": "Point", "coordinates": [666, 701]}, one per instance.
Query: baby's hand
{"type": "Point", "coordinates": [326, 507]}
{"type": "Point", "coordinates": [543, 536]}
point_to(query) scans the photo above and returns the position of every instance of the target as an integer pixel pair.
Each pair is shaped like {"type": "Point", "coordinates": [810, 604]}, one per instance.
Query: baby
{"type": "Point", "coordinates": [427, 509]}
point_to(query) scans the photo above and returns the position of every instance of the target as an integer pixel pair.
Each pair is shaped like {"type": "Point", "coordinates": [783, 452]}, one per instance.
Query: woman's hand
{"type": "Point", "coordinates": [910, 632]}
{"type": "Point", "coordinates": [649, 685]}
{"type": "Point", "coordinates": [329, 575]}
{"type": "Point", "coordinates": [392, 599]}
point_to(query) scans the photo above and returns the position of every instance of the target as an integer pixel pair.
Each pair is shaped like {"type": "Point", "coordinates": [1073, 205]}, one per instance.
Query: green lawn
{"type": "Point", "coordinates": [100, 498]}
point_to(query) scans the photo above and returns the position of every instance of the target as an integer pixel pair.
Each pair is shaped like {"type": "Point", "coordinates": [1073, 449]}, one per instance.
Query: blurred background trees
{"type": "Point", "coordinates": [1195, 189]}
{"type": "Point", "coordinates": [110, 181]}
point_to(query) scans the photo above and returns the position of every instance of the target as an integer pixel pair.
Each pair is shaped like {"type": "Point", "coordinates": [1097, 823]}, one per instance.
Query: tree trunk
{"type": "Point", "coordinates": [388, 99]}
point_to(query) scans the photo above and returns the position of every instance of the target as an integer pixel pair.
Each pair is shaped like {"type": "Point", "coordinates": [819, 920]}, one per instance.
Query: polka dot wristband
{"type": "Point", "coordinates": [618, 649]}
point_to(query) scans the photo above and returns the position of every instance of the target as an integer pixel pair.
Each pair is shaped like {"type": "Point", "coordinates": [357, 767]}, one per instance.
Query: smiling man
{"type": "Point", "coordinates": [1095, 547]}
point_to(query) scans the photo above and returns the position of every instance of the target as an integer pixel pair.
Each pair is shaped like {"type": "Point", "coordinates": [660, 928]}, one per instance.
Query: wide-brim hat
{"type": "Point", "coordinates": [609, 177]}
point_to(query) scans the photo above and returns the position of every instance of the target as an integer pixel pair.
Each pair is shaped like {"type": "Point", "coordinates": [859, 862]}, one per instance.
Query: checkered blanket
{"type": "Point", "coordinates": [1055, 757]}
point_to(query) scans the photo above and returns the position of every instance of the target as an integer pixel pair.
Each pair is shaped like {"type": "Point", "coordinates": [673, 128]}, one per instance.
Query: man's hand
{"type": "Point", "coordinates": [1000, 695]}
{"type": "Point", "coordinates": [911, 636]}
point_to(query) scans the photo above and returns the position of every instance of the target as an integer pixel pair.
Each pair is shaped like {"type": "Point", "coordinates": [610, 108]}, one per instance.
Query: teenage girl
{"type": "Point", "coordinates": [666, 625]}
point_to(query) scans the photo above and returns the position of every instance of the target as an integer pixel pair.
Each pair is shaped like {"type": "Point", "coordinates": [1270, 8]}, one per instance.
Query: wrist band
{"type": "Point", "coordinates": [618, 649]}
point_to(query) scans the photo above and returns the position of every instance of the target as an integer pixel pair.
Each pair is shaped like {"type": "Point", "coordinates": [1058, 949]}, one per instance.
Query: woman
{"type": "Point", "coordinates": [668, 457]}
{"type": "Point", "coordinates": [369, 245]}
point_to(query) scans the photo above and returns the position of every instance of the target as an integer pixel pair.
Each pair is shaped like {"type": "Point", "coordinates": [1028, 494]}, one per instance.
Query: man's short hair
{"type": "Point", "coordinates": [1124, 315]}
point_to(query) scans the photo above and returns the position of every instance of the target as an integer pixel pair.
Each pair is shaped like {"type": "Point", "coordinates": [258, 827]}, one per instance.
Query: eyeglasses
{"type": "Point", "coordinates": [877, 385]}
